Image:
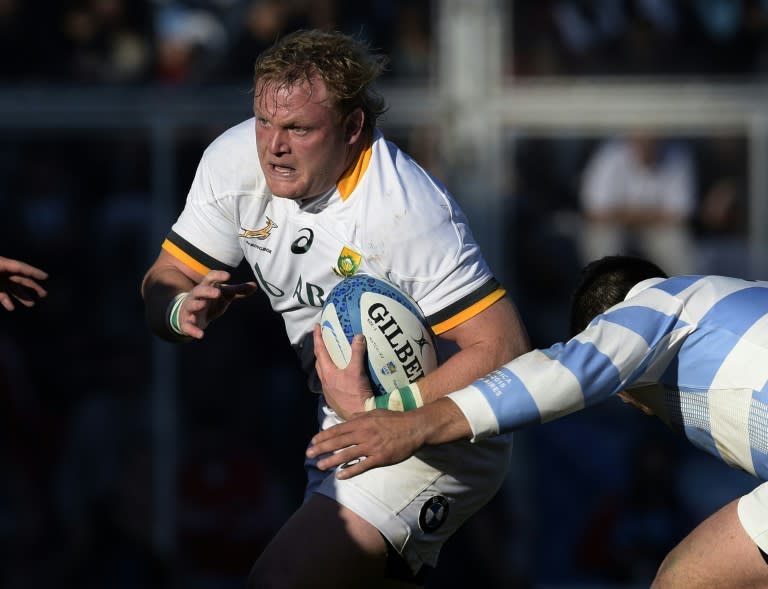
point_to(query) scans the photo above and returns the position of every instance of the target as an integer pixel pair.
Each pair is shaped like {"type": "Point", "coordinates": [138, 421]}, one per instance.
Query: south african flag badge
{"type": "Point", "coordinates": [348, 262]}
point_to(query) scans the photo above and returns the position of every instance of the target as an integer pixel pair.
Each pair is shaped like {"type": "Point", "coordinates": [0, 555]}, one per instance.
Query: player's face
{"type": "Point", "coordinates": [304, 144]}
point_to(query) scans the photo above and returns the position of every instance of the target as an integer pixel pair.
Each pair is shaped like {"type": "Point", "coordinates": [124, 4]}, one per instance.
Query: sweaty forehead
{"type": "Point", "coordinates": [272, 96]}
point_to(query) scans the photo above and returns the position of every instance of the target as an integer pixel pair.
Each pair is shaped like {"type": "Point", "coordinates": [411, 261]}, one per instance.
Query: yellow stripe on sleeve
{"type": "Point", "coordinates": [185, 258]}
{"type": "Point", "coordinates": [469, 312]}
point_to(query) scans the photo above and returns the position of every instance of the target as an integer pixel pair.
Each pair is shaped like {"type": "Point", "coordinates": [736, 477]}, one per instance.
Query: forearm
{"type": "Point", "coordinates": [443, 421]}
{"type": "Point", "coordinates": [160, 285]}
{"type": "Point", "coordinates": [486, 342]}
{"type": "Point", "coordinates": [461, 370]}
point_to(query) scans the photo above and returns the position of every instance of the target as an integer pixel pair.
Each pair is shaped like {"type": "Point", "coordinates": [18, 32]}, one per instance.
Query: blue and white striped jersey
{"type": "Point", "coordinates": [694, 348]}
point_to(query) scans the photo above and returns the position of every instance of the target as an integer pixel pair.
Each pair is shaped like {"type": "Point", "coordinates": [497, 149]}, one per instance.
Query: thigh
{"type": "Point", "coordinates": [323, 545]}
{"type": "Point", "coordinates": [419, 503]}
{"type": "Point", "coordinates": [717, 553]}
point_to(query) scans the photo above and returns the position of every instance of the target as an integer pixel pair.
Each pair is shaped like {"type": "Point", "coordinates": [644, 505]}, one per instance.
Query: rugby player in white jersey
{"type": "Point", "coordinates": [309, 191]}
{"type": "Point", "coordinates": [692, 350]}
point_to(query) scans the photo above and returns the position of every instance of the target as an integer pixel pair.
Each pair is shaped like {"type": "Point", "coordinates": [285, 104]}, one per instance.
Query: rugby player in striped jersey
{"type": "Point", "coordinates": [692, 350]}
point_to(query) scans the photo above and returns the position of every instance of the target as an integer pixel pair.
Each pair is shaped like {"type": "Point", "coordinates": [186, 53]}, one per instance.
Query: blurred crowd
{"type": "Point", "coordinates": [78, 412]}
{"type": "Point", "coordinates": [214, 41]}
{"type": "Point", "coordinates": [191, 41]}
{"type": "Point", "coordinates": [722, 38]}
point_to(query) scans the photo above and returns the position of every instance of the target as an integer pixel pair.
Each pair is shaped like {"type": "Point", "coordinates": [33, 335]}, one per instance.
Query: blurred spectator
{"type": "Point", "coordinates": [637, 196]}
{"type": "Point", "coordinates": [411, 52]}
{"type": "Point", "coordinates": [189, 43]}
{"type": "Point", "coordinates": [13, 40]}
{"type": "Point", "coordinates": [722, 219]}
{"type": "Point", "coordinates": [106, 41]}
{"type": "Point", "coordinates": [640, 37]}
{"type": "Point", "coordinates": [262, 22]}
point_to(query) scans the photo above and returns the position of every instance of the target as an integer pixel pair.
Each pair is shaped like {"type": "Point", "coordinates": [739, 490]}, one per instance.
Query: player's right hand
{"type": "Point", "coordinates": [345, 389]}
{"type": "Point", "coordinates": [209, 299]}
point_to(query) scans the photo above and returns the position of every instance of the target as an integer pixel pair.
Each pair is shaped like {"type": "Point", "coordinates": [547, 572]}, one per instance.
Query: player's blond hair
{"type": "Point", "coordinates": [346, 65]}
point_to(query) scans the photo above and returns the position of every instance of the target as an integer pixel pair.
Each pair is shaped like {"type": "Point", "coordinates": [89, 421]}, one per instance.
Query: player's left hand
{"type": "Point", "coordinates": [208, 301]}
{"type": "Point", "coordinates": [382, 437]}
{"type": "Point", "coordinates": [345, 389]}
{"type": "Point", "coordinates": [19, 283]}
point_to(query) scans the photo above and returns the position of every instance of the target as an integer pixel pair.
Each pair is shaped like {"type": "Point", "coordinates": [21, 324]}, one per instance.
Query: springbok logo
{"type": "Point", "coordinates": [262, 233]}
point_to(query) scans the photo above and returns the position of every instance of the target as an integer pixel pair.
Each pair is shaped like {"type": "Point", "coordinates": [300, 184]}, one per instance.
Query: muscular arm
{"type": "Point", "coordinates": [208, 296]}
{"type": "Point", "coordinates": [486, 341]}
{"type": "Point", "coordinates": [166, 278]}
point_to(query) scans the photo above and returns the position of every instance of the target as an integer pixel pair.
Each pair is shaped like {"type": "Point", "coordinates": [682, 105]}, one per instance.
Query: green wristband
{"type": "Point", "coordinates": [408, 399]}
{"type": "Point", "coordinates": [405, 398]}
{"type": "Point", "coordinates": [174, 311]}
{"type": "Point", "coordinates": [382, 401]}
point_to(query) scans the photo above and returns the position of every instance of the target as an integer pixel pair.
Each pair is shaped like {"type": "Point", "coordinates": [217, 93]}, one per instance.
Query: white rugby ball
{"type": "Point", "coordinates": [400, 344]}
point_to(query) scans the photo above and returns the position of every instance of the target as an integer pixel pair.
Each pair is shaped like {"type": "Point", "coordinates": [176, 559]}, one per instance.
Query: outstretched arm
{"type": "Point", "coordinates": [19, 283]}
{"type": "Point", "coordinates": [180, 302]}
{"type": "Point", "coordinates": [388, 437]}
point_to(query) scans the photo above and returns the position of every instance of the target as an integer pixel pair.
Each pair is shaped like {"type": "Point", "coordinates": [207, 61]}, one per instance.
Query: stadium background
{"type": "Point", "coordinates": [127, 462]}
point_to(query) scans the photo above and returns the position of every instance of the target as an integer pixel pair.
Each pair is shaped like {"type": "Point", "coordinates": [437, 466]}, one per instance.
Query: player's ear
{"type": "Point", "coordinates": [353, 125]}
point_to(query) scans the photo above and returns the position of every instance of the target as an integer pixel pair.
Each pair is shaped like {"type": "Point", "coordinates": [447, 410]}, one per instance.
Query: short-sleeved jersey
{"type": "Point", "coordinates": [386, 216]}
{"type": "Point", "coordinates": [694, 348]}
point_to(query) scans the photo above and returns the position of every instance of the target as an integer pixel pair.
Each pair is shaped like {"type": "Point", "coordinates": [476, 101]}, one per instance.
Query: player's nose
{"type": "Point", "coordinates": [278, 142]}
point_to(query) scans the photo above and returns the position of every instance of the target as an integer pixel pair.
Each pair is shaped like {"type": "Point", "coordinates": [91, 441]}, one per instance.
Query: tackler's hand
{"type": "Point", "coordinates": [368, 440]}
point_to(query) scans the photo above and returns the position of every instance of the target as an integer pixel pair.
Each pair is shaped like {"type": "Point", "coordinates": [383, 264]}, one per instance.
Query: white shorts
{"type": "Point", "coordinates": [419, 503]}
{"type": "Point", "coordinates": [753, 514]}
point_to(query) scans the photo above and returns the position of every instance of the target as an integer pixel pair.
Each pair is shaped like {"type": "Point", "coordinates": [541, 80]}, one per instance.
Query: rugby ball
{"type": "Point", "coordinates": [400, 344]}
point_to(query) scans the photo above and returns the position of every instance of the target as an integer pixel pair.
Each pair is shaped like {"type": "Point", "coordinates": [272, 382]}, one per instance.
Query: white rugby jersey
{"type": "Point", "coordinates": [694, 348]}
{"type": "Point", "coordinates": [386, 216]}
